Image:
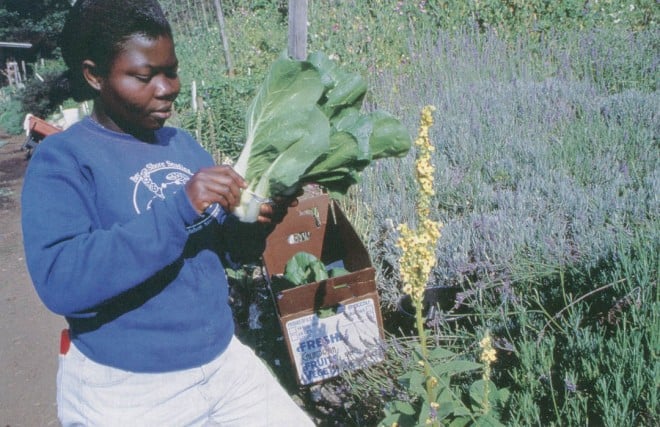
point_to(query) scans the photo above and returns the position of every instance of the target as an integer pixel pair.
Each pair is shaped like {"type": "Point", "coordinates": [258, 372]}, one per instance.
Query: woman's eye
{"type": "Point", "coordinates": [143, 78]}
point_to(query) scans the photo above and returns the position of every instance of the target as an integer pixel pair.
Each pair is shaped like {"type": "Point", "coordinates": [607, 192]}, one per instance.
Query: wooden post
{"type": "Point", "coordinates": [223, 36]}
{"type": "Point", "coordinates": [297, 48]}
{"type": "Point", "coordinates": [13, 73]}
{"type": "Point", "coordinates": [193, 96]}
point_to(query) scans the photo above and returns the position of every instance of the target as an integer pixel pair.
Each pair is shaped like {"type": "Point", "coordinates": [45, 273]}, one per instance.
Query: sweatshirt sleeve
{"type": "Point", "coordinates": [75, 265]}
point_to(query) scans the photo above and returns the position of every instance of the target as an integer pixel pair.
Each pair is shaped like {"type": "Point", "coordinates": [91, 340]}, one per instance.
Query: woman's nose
{"type": "Point", "coordinates": [167, 87]}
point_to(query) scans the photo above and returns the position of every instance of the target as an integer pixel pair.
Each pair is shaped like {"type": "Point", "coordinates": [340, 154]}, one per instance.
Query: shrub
{"type": "Point", "coordinates": [34, 97]}
{"type": "Point", "coordinates": [11, 117]}
{"type": "Point", "coordinates": [546, 185]}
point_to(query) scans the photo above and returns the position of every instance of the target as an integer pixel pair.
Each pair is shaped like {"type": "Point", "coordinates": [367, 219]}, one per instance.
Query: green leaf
{"type": "Point", "coordinates": [327, 68]}
{"type": "Point", "coordinates": [343, 161]}
{"type": "Point", "coordinates": [404, 407]}
{"type": "Point", "coordinates": [414, 381]}
{"type": "Point", "coordinates": [326, 312]}
{"type": "Point", "coordinates": [344, 90]}
{"type": "Point", "coordinates": [349, 92]}
{"type": "Point", "coordinates": [495, 396]}
{"type": "Point", "coordinates": [389, 138]}
{"type": "Point", "coordinates": [440, 353]}
{"type": "Point", "coordinates": [502, 395]}
{"type": "Point", "coordinates": [278, 115]}
{"type": "Point", "coordinates": [304, 268]}
{"type": "Point", "coordinates": [478, 390]}
{"type": "Point", "coordinates": [401, 419]}
{"type": "Point", "coordinates": [424, 414]}
{"type": "Point", "coordinates": [456, 367]}
{"type": "Point", "coordinates": [286, 170]}
{"type": "Point", "coordinates": [450, 405]}
{"type": "Point", "coordinates": [487, 420]}
{"type": "Point", "coordinates": [461, 421]}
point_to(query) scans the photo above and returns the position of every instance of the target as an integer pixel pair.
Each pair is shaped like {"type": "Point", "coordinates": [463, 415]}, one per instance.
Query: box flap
{"type": "Point", "coordinates": [326, 293]}
{"type": "Point", "coordinates": [301, 231]}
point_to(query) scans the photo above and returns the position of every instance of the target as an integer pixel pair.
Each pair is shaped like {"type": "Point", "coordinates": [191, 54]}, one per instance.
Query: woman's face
{"type": "Point", "coordinates": [137, 95]}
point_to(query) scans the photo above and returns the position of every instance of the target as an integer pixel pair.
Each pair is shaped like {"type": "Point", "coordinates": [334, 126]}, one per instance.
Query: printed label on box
{"type": "Point", "coordinates": [324, 347]}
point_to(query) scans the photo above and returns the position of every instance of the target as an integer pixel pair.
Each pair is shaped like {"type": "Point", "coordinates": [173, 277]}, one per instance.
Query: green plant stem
{"type": "Point", "coordinates": [560, 312]}
{"type": "Point", "coordinates": [419, 317]}
{"type": "Point", "coordinates": [552, 394]}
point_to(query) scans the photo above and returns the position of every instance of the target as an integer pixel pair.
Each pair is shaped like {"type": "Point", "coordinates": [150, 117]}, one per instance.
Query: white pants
{"type": "Point", "coordinates": [235, 389]}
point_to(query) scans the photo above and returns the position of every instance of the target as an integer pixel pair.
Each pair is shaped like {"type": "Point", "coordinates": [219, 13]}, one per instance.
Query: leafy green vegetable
{"type": "Point", "coordinates": [305, 126]}
{"type": "Point", "coordinates": [304, 268]}
{"type": "Point", "coordinates": [337, 271]}
{"type": "Point", "coordinates": [282, 118]}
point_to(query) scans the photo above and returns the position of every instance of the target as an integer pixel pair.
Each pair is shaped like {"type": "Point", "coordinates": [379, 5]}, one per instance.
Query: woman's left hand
{"type": "Point", "coordinates": [274, 212]}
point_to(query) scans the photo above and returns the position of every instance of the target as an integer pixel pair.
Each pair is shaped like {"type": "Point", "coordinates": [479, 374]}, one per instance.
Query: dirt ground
{"type": "Point", "coordinates": [29, 333]}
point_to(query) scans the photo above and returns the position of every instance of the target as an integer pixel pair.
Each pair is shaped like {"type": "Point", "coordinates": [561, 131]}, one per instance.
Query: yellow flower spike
{"type": "Point", "coordinates": [418, 245]}
{"type": "Point", "coordinates": [488, 353]}
{"type": "Point", "coordinates": [490, 356]}
{"type": "Point", "coordinates": [487, 357]}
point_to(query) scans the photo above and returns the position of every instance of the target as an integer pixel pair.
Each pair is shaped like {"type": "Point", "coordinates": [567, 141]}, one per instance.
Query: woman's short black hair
{"type": "Point", "coordinates": [97, 30]}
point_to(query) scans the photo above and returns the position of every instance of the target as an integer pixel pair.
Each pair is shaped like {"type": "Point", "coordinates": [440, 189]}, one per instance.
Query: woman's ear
{"type": "Point", "coordinates": [91, 73]}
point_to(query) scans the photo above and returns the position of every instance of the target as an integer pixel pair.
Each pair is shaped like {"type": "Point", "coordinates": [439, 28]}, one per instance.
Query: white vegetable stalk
{"type": "Point", "coordinates": [248, 209]}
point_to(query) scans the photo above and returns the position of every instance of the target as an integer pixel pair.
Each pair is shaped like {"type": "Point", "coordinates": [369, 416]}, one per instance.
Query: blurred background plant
{"type": "Point", "coordinates": [547, 183]}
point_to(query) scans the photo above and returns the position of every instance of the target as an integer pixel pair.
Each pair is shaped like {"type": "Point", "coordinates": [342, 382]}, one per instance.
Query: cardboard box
{"type": "Point", "coordinates": [41, 127]}
{"type": "Point", "coordinates": [323, 343]}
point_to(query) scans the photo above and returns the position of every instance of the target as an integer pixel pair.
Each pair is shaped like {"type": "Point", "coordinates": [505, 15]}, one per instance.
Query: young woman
{"type": "Point", "coordinates": [127, 224]}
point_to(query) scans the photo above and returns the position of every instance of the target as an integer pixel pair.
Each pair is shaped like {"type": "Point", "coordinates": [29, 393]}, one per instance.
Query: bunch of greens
{"type": "Point", "coordinates": [305, 125]}
{"type": "Point", "coordinates": [305, 268]}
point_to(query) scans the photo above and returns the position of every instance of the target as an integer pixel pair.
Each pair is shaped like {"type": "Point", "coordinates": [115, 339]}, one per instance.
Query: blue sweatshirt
{"type": "Point", "coordinates": [113, 243]}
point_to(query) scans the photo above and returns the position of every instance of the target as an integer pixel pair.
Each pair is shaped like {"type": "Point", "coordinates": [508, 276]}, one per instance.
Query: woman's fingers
{"type": "Point", "coordinates": [275, 211]}
{"type": "Point", "coordinates": [216, 184]}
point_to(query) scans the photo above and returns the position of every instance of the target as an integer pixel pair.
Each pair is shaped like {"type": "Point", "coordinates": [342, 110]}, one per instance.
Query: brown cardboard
{"type": "Point", "coordinates": [321, 348]}
{"type": "Point", "coordinates": [41, 127]}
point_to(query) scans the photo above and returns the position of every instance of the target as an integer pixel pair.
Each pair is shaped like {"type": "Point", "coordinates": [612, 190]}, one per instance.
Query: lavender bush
{"type": "Point", "coordinates": [532, 168]}
{"type": "Point", "coordinates": [547, 182]}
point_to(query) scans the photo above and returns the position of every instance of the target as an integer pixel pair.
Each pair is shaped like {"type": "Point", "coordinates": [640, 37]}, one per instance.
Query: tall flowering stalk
{"type": "Point", "coordinates": [488, 357]}
{"type": "Point", "coordinates": [418, 245]}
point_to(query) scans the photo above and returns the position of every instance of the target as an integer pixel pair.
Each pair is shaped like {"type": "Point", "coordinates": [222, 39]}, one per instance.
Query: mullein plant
{"type": "Point", "coordinates": [484, 393]}
{"type": "Point", "coordinates": [415, 265]}
{"type": "Point", "coordinates": [418, 245]}
{"type": "Point", "coordinates": [430, 399]}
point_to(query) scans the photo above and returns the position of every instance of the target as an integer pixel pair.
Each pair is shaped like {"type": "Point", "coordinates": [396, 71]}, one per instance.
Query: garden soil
{"type": "Point", "coordinates": [29, 333]}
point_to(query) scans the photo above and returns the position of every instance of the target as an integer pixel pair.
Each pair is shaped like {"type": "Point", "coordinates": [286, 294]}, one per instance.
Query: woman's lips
{"type": "Point", "coordinates": [162, 115]}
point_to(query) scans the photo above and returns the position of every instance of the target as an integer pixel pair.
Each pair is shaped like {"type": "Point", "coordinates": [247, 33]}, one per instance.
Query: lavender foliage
{"type": "Point", "coordinates": [536, 168]}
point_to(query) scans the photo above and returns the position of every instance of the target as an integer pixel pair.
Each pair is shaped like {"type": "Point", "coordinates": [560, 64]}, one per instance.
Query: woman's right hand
{"type": "Point", "coordinates": [215, 184]}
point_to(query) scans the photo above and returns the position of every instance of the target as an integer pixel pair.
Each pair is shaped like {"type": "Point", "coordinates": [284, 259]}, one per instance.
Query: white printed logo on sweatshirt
{"type": "Point", "coordinates": [157, 181]}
